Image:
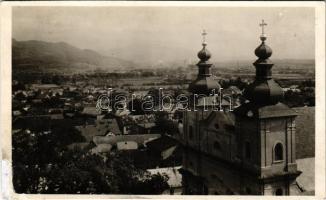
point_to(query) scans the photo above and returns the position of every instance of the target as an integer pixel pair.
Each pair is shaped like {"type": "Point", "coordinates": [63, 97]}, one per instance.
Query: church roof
{"type": "Point", "coordinates": [307, 179]}
{"type": "Point", "coordinates": [227, 118]}
{"type": "Point", "coordinates": [305, 132]}
{"type": "Point", "coordinates": [269, 111]}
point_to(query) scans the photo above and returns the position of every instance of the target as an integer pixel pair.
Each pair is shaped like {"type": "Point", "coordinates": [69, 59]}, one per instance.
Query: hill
{"type": "Point", "coordinates": [62, 56]}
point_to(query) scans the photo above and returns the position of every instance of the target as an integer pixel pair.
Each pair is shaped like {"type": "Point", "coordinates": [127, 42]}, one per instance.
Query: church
{"type": "Point", "coordinates": [251, 150]}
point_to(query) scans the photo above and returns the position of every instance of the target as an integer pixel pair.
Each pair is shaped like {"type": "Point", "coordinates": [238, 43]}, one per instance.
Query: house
{"type": "Point", "coordinates": [162, 147]}
{"type": "Point", "coordinates": [113, 140]}
{"type": "Point", "coordinates": [127, 145]}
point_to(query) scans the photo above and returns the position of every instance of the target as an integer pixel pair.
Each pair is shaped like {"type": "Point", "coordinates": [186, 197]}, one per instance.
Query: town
{"type": "Point", "coordinates": [58, 106]}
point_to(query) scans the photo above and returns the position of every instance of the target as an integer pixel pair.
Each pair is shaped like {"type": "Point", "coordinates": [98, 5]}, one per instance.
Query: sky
{"type": "Point", "coordinates": [163, 34]}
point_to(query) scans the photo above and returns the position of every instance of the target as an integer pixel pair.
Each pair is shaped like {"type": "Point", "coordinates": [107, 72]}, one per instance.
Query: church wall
{"type": "Point", "coordinates": [221, 142]}
{"type": "Point", "coordinates": [193, 133]}
{"type": "Point", "coordinates": [190, 161]}
{"type": "Point", "coordinates": [249, 144]}
{"type": "Point", "coordinates": [210, 138]}
{"type": "Point", "coordinates": [218, 177]}
{"type": "Point", "coordinates": [218, 143]}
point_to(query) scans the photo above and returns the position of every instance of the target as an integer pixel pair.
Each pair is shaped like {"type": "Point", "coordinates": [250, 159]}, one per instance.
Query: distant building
{"type": "Point", "coordinates": [130, 139]}
{"type": "Point", "coordinates": [44, 86]}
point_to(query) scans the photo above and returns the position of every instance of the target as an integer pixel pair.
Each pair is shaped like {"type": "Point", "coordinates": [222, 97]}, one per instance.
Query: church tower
{"type": "Point", "coordinates": [194, 142]}
{"type": "Point", "coordinates": [266, 132]}
{"type": "Point", "coordinates": [204, 83]}
{"type": "Point", "coordinates": [249, 151]}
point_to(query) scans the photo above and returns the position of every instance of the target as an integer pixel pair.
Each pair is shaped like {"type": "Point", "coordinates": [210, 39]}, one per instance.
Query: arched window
{"type": "Point", "coordinates": [191, 135]}
{"type": "Point", "coordinates": [279, 192]}
{"type": "Point", "coordinates": [278, 152]}
{"type": "Point", "coordinates": [247, 150]}
{"type": "Point", "coordinates": [216, 126]}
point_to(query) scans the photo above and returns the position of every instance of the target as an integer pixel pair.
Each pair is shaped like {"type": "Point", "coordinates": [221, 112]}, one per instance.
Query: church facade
{"type": "Point", "coordinates": [248, 151]}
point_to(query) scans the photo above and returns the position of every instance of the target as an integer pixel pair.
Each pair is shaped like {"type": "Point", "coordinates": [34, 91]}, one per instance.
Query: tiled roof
{"type": "Point", "coordinates": [140, 139]}
{"type": "Point", "coordinates": [101, 148]}
{"type": "Point", "coordinates": [147, 125]}
{"type": "Point", "coordinates": [162, 143]}
{"type": "Point", "coordinates": [305, 132]}
{"type": "Point", "coordinates": [267, 111]}
{"type": "Point", "coordinates": [307, 179]}
{"type": "Point", "coordinates": [90, 111]}
{"type": "Point", "coordinates": [226, 118]}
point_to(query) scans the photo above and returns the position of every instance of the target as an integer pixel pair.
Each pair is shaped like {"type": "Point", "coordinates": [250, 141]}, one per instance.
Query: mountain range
{"type": "Point", "coordinates": [62, 55]}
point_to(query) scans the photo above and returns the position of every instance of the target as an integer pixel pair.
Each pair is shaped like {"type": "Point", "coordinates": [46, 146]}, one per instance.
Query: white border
{"type": "Point", "coordinates": [5, 90]}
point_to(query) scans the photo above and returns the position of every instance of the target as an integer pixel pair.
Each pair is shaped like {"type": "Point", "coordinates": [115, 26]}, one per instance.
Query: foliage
{"type": "Point", "coordinates": [43, 164]}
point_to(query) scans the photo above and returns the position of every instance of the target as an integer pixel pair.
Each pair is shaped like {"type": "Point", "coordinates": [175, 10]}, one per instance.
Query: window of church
{"type": "Point", "coordinates": [216, 126]}
{"type": "Point", "coordinates": [247, 150]}
{"type": "Point", "coordinates": [191, 134]}
{"type": "Point", "coordinates": [278, 152]}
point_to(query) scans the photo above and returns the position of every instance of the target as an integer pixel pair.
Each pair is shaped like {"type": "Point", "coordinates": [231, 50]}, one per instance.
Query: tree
{"type": "Point", "coordinates": [42, 164]}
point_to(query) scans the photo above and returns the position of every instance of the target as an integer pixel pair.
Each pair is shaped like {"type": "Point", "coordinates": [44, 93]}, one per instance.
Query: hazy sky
{"type": "Point", "coordinates": [155, 34]}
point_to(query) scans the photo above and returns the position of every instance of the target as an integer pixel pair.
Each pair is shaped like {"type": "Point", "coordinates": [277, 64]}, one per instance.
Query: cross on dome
{"type": "Point", "coordinates": [204, 36]}
{"type": "Point", "coordinates": [263, 24]}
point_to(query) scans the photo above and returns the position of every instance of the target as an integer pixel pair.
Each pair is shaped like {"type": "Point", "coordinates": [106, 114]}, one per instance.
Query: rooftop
{"type": "Point", "coordinates": [305, 132]}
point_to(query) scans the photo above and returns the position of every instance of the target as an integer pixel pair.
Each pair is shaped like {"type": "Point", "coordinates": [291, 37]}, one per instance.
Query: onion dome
{"type": "Point", "coordinates": [264, 90]}
{"type": "Point", "coordinates": [204, 54]}
{"type": "Point", "coordinates": [263, 51]}
{"type": "Point", "coordinates": [205, 82]}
